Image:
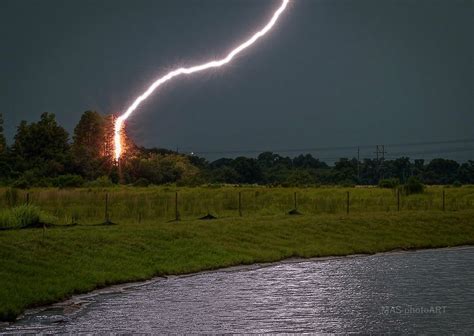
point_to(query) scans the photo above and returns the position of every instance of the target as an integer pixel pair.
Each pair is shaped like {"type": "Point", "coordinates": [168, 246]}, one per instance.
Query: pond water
{"type": "Point", "coordinates": [429, 291]}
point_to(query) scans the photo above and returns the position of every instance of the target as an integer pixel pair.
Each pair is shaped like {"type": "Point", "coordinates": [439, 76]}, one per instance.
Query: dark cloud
{"type": "Point", "coordinates": [333, 72]}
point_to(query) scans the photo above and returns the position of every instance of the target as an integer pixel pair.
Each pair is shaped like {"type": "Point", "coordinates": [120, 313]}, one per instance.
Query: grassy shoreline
{"type": "Point", "coordinates": [35, 271]}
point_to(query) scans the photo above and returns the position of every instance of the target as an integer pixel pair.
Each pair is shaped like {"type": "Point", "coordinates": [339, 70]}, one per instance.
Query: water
{"type": "Point", "coordinates": [429, 291]}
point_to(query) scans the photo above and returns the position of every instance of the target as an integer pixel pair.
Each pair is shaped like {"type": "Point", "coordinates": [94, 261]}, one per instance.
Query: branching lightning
{"type": "Point", "coordinates": [119, 123]}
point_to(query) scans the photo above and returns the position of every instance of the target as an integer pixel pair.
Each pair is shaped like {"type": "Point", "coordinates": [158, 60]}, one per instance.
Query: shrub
{"type": "Point", "coordinates": [21, 183]}
{"type": "Point", "coordinates": [141, 182]}
{"type": "Point", "coordinates": [347, 184]}
{"type": "Point", "coordinates": [457, 184]}
{"type": "Point", "coordinates": [413, 186]}
{"type": "Point", "coordinates": [101, 182]}
{"type": "Point", "coordinates": [21, 216]}
{"type": "Point", "coordinates": [391, 183]}
{"type": "Point", "coordinates": [68, 181]}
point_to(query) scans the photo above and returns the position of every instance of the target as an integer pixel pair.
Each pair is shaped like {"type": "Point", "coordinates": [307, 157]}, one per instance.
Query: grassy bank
{"type": "Point", "coordinates": [37, 270]}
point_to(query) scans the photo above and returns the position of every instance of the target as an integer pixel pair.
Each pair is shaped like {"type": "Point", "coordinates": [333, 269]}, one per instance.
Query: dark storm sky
{"type": "Point", "coordinates": [331, 73]}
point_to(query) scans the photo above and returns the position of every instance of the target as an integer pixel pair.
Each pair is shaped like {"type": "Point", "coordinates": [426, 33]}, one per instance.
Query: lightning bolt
{"type": "Point", "coordinates": [119, 122]}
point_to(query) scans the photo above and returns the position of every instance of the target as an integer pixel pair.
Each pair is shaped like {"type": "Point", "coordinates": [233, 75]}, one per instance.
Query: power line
{"type": "Point", "coordinates": [396, 155]}
{"type": "Point", "coordinates": [439, 151]}
{"type": "Point", "coordinates": [330, 148]}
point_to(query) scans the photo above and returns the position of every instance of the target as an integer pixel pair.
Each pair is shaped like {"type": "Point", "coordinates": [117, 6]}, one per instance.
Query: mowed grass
{"type": "Point", "coordinates": [37, 269]}
{"type": "Point", "coordinates": [87, 206]}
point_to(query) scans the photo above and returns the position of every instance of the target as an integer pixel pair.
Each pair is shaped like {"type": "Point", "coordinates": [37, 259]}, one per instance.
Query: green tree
{"type": "Point", "coordinates": [345, 170]}
{"type": "Point", "coordinates": [159, 168]}
{"type": "Point", "coordinates": [466, 172]}
{"type": "Point", "coordinates": [300, 177]}
{"type": "Point", "coordinates": [441, 171]}
{"type": "Point", "coordinates": [89, 150]}
{"type": "Point", "coordinates": [308, 161]}
{"type": "Point", "coordinates": [41, 146]}
{"type": "Point", "coordinates": [248, 169]}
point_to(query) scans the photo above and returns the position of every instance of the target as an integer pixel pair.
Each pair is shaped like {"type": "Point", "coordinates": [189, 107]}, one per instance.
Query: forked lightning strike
{"type": "Point", "coordinates": [119, 123]}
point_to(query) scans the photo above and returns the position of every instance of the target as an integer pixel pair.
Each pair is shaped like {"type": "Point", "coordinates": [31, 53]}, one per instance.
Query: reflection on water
{"type": "Point", "coordinates": [427, 291]}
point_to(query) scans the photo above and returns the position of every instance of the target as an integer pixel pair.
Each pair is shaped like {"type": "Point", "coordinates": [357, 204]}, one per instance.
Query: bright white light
{"type": "Point", "coordinates": [185, 71]}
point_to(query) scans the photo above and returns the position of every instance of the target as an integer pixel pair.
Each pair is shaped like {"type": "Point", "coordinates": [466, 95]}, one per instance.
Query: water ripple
{"type": "Point", "coordinates": [429, 291]}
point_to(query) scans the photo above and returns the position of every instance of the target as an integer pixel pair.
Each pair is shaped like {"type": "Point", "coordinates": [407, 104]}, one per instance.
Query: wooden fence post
{"type": "Point", "coordinates": [398, 199]}
{"type": "Point", "coordinates": [107, 207]}
{"type": "Point", "coordinates": [27, 198]}
{"type": "Point", "coordinates": [444, 200]}
{"type": "Point", "coordinates": [348, 203]}
{"type": "Point", "coordinates": [176, 213]}
{"type": "Point", "coordinates": [240, 203]}
{"type": "Point", "coordinates": [296, 203]}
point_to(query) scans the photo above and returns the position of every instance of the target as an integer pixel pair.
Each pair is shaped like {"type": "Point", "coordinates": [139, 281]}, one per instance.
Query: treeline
{"type": "Point", "coordinates": [44, 154]}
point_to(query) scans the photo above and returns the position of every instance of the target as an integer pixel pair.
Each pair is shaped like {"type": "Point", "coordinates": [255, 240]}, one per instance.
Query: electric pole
{"type": "Point", "coordinates": [380, 155]}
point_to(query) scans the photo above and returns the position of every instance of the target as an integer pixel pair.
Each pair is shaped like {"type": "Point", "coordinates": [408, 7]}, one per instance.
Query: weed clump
{"type": "Point", "coordinates": [413, 186]}
{"type": "Point", "coordinates": [389, 183]}
{"type": "Point", "coordinates": [21, 216]}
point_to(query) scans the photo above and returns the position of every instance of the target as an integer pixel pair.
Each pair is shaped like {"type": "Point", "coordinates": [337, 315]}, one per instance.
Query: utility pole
{"type": "Point", "coordinates": [380, 155]}
{"type": "Point", "coordinates": [382, 161]}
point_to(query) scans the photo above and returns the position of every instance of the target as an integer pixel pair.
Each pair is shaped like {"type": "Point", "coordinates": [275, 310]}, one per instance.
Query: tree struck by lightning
{"type": "Point", "coordinates": [119, 123]}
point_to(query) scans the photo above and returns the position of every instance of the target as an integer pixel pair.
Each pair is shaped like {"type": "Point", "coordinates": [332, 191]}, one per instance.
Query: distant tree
{"type": "Point", "coordinates": [221, 163]}
{"type": "Point", "coordinates": [418, 168]}
{"type": "Point", "coordinates": [300, 177]}
{"type": "Point", "coordinates": [399, 168]}
{"type": "Point", "coordinates": [441, 171]}
{"type": "Point", "coordinates": [466, 172]}
{"type": "Point", "coordinates": [268, 160]}
{"type": "Point", "coordinates": [345, 170]}
{"type": "Point", "coordinates": [42, 146]}
{"type": "Point", "coordinates": [199, 162]}
{"type": "Point", "coordinates": [369, 172]}
{"type": "Point", "coordinates": [159, 169]}
{"type": "Point", "coordinates": [248, 170]}
{"type": "Point", "coordinates": [308, 161]}
{"type": "Point", "coordinates": [275, 168]}
{"type": "Point", "coordinates": [225, 174]}
{"type": "Point", "coordinates": [276, 175]}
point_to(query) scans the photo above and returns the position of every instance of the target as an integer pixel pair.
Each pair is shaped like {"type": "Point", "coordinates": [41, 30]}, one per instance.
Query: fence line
{"type": "Point", "coordinates": [73, 206]}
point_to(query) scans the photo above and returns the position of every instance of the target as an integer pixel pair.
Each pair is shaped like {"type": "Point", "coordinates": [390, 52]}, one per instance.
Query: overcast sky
{"type": "Point", "coordinates": [331, 73]}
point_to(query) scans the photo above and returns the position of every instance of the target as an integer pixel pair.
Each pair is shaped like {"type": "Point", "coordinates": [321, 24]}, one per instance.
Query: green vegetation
{"type": "Point", "coordinates": [87, 205]}
{"type": "Point", "coordinates": [20, 217]}
{"type": "Point", "coordinates": [413, 186]}
{"type": "Point", "coordinates": [389, 183]}
{"type": "Point", "coordinates": [37, 269]}
{"type": "Point", "coordinates": [43, 154]}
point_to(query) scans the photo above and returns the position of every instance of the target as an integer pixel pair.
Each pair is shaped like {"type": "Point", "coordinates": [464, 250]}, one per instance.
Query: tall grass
{"type": "Point", "coordinates": [21, 216]}
{"type": "Point", "coordinates": [87, 206]}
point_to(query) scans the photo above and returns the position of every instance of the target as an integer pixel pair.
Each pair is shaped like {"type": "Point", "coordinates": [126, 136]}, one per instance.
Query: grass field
{"type": "Point", "coordinates": [158, 203]}
{"type": "Point", "coordinates": [39, 267]}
